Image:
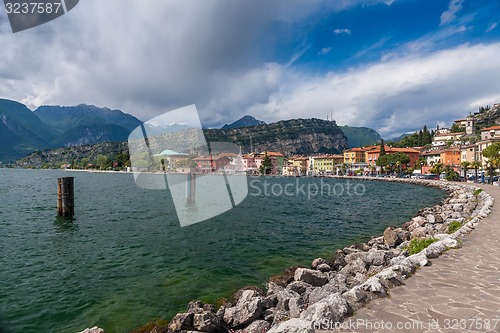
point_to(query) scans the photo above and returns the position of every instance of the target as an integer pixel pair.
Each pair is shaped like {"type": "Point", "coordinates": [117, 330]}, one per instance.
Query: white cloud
{"type": "Point", "coordinates": [394, 96]}
{"type": "Point", "coordinates": [491, 26]}
{"type": "Point", "coordinates": [342, 31]}
{"type": "Point", "coordinates": [453, 8]}
{"type": "Point", "coordinates": [325, 50]}
{"type": "Point", "coordinates": [151, 57]}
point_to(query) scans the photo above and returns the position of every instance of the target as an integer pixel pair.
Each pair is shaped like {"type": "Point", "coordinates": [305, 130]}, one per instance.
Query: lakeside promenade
{"type": "Point", "coordinates": [459, 292]}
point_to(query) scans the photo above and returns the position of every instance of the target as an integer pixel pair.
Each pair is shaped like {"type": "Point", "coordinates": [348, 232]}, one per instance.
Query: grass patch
{"type": "Point", "coordinates": [478, 191]}
{"type": "Point", "coordinates": [417, 245]}
{"type": "Point", "coordinates": [454, 226]}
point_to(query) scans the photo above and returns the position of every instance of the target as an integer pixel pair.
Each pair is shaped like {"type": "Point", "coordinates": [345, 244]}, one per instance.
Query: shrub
{"type": "Point", "coordinates": [478, 191]}
{"type": "Point", "coordinates": [454, 226]}
{"type": "Point", "coordinates": [417, 245]}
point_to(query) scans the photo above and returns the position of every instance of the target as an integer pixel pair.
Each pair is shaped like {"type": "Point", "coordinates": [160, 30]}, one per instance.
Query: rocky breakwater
{"type": "Point", "coordinates": [331, 289]}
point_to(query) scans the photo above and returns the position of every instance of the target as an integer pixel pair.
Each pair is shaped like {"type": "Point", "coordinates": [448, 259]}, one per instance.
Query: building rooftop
{"type": "Point", "coordinates": [491, 128]}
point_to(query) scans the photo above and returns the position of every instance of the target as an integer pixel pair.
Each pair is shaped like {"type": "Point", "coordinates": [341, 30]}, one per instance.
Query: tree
{"type": "Point", "coordinates": [492, 153]}
{"type": "Point", "coordinates": [382, 148]}
{"type": "Point", "coordinates": [426, 136]}
{"type": "Point", "coordinates": [266, 165]}
{"type": "Point", "coordinates": [437, 168]}
{"type": "Point", "coordinates": [465, 165]}
{"type": "Point", "coordinates": [475, 165]}
{"type": "Point", "coordinates": [451, 174]}
{"type": "Point", "coordinates": [394, 159]}
{"type": "Point", "coordinates": [420, 138]}
{"type": "Point", "coordinates": [102, 161]}
{"type": "Point", "coordinates": [420, 162]}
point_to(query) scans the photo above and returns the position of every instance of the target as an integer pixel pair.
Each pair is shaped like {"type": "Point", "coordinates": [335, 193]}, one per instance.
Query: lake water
{"type": "Point", "coordinates": [124, 260]}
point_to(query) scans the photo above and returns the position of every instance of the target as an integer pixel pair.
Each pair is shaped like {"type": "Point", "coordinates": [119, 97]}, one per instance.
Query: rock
{"type": "Point", "coordinates": [418, 260]}
{"type": "Point", "coordinates": [374, 287]}
{"type": "Point", "coordinates": [353, 257]}
{"type": "Point", "coordinates": [318, 261]}
{"type": "Point", "coordinates": [324, 268]}
{"type": "Point", "coordinates": [338, 260]}
{"type": "Point", "coordinates": [357, 266]}
{"type": "Point", "coordinates": [373, 270]}
{"type": "Point", "coordinates": [195, 307]}
{"type": "Point", "coordinates": [258, 326]}
{"type": "Point", "coordinates": [207, 322]}
{"type": "Point", "coordinates": [279, 317]}
{"type": "Point", "coordinates": [450, 243]}
{"type": "Point", "coordinates": [421, 221]}
{"type": "Point", "coordinates": [376, 257]}
{"type": "Point", "coordinates": [181, 321]}
{"type": "Point", "coordinates": [248, 308]}
{"type": "Point", "coordinates": [284, 297]}
{"type": "Point", "coordinates": [395, 236]}
{"type": "Point", "coordinates": [333, 308]}
{"type": "Point", "coordinates": [270, 301]}
{"type": "Point", "coordinates": [94, 329]}
{"type": "Point", "coordinates": [357, 279]}
{"type": "Point", "coordinates": [299, 287]}
{"type": "Point", "coordinates": [376, 240]}
{"type": "Point", "coordinates": [389, 278]}
{"type": "Point", "coordinates": [310, 276]}
{"type": "Point", "coordinates": [355, 297]}
{"type": "Point", "coordinates": [431, 218]}
{"type": "Point", "coordinates": [434, 250]}
{"type": "Point", "coordinates": [420, 232]}
{"type": "Point", "coordinates": [296, 306]}
{"type": "Point", "coordinates": [318, 294]}
{"type": "Point", "coordinates": [294, 325]}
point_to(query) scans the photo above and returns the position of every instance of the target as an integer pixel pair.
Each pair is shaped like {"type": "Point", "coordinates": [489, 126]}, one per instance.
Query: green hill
{"type": "Point", "coordinates": [360, 136]}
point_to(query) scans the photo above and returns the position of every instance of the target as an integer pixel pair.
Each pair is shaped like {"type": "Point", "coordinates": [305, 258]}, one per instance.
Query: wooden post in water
{"type": "Point", "coordinates": [65, 196]}
{"type": "Point", "coordinates": [191, 187]}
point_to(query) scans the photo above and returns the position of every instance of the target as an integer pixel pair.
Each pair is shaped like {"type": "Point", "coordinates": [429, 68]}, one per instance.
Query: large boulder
{"type": "Point", "coordinates": [181, 321]}
{"type": "Point", "coordinates": [395, 236]}
{"type": "Point", "coordinates": [312, 277]}
{"type": "Point", "coordinates": [294, 325]}
{"type": "Point", "coordinates": [333, 308]}
{"type": "Point", "coordinates": [207, 321]}
{"type": "Point", "coordinates": [299, 287]}
{"type": "Point", "coordinates": [248, 308]}
{"type": "Point", "coordinates": [258, 326]}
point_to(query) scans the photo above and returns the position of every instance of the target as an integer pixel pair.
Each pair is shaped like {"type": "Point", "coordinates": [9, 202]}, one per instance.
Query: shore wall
{"type": "Point", "coordinates": [334, 288]}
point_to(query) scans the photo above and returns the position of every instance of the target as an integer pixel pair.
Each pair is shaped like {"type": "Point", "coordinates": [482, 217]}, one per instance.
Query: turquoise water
{"type": "Point", "coordinates": [124, 260]}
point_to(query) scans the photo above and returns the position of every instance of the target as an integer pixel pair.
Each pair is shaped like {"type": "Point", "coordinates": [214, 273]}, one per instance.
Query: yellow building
{"type": "Point", "coordinates": [326, 163]}
{"type": "Point", "coordinates": [355, 156]}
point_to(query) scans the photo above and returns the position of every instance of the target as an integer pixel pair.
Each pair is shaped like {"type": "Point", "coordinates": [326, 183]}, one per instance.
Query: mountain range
{"type": "Point", "coordinates": [23, 131]}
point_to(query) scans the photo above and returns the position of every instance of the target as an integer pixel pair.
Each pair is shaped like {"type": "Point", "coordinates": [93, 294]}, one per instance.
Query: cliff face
{"type": "Point", "coordinates": [297, 136]}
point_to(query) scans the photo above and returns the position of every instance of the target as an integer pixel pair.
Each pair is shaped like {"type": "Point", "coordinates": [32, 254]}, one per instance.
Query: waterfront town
{"type": "Point", "coordinates": [455, 153]}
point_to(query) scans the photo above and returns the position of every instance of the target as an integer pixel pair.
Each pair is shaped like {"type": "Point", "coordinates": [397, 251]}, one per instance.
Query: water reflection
{"type": "Point", "coordinates": [65, 224]}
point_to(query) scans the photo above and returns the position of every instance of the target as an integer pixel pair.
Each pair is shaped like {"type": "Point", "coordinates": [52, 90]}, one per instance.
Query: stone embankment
{"type": "Point", "coordinates": [334, 288]}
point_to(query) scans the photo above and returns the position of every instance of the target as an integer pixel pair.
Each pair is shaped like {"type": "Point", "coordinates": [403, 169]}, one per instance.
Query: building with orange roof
{"type": "Point", "coordinates": [451, 157]}
{"type": "Point", "coordinates": [373, 154]}
{"type": "Point", "coordinates": [325, 164]}
{"type": "Point", "coordinates": [489, 136]}
{"type": "Point", "coordinates": [355, 156]}
{"type": "Point", "coordinates": [296, 166]}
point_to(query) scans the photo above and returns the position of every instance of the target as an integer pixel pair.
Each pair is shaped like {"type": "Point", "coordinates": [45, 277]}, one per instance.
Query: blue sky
{"type": "Point", "coordinates": [393, 65]}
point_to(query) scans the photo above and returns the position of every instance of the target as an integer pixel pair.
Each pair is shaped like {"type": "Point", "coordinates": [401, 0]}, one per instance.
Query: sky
{"type": "Point", "coordinates": [392, 65]}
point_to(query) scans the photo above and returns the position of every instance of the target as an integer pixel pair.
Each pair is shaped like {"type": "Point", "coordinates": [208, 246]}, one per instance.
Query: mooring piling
{"type": "Point", "coordinates": [191, 187]}
{"type": "Point", "coordinates": [65, 196]}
